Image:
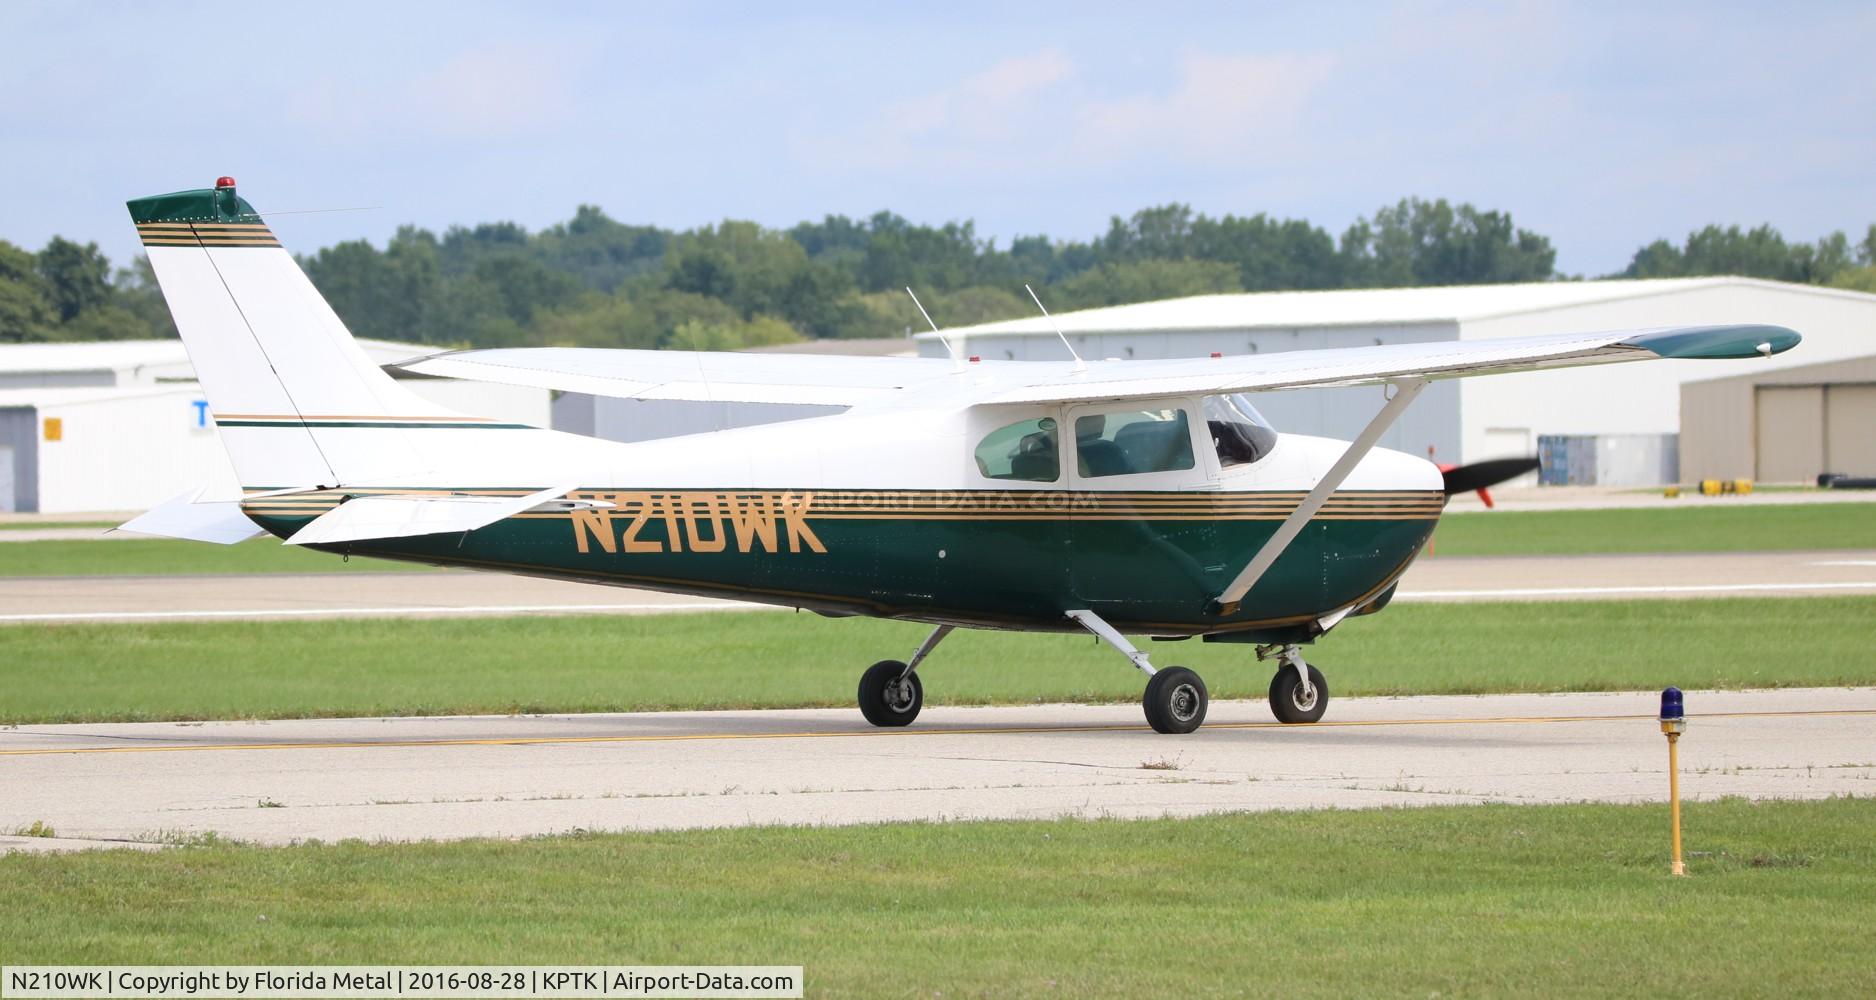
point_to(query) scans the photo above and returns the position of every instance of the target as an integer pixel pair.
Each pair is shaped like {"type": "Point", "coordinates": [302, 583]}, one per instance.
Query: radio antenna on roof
{"type": "Point", "coordinates": [1080, 365]}
{"type": "Point", "coordinates": [956, 360]}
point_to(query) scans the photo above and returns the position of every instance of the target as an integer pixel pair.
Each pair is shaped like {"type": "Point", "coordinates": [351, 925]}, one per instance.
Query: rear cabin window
{"type": "Point", "coordinates": [1025, 451]}
{"type": "Point", "coordinates": [1132, 442]}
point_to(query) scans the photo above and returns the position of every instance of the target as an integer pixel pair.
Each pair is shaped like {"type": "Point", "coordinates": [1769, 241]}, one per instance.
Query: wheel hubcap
{"type": "Point", "coordinates": [899, 695]}
{"type": "Point", "coordinates": [1184, 703]}
{"type": "Point", "coordinates": [1304, 698]}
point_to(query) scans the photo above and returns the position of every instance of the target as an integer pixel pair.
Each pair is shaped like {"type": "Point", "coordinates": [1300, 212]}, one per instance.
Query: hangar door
{"type": "Point", "coordinates": [1790, 433]}
{"type": "Point", "coordinates": [1850, 429]}
{"type": "Point", "coordinates": [1804, 430]}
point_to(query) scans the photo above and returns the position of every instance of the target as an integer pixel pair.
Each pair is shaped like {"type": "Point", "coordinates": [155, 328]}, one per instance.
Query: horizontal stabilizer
{"type": "Point", "coordinates": [365, 518]}
{"type": "Point", "coordinates": [218, 521]}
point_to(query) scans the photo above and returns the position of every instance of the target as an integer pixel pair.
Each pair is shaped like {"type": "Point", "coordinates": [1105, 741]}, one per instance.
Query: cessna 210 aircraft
{"type": "Point", "coordinates": [1115, 497]}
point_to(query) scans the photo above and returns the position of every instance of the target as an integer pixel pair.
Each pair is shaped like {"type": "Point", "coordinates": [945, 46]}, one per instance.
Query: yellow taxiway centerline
{"type": "Point", "coordinates": [977, 731]}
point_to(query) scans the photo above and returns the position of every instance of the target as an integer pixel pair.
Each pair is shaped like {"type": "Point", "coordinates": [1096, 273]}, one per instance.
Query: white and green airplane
{"type": "Point", "coordinates": [1115, 497]}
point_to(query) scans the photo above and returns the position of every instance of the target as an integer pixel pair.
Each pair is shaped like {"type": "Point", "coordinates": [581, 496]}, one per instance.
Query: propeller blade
{"type": "Point", "coordinates": [1479, 475]}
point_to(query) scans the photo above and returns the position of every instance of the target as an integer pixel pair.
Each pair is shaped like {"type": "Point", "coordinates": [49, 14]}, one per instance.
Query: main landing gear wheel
{"type": "Point", "coordinates": [1175, 701]}
{"type": "Point", "coordinates": [889, 696]}
{"type": "Point", "coordinates": [1294, 703]}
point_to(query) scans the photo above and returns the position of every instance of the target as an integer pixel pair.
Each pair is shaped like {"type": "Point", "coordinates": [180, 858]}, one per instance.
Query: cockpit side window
{"type": "Point", "coordinates": [1024, 451]}
{"type": "Point", "coordinates": [1239, 432]}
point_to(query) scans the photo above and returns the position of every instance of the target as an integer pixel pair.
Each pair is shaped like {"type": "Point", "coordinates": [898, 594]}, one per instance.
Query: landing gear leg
{"type": "Point", "coordinates": [890, 691]}
{"type": "Point", "coordinates": [1298, 692]}
{"type": "Point", "coordinates": [1175, 699]}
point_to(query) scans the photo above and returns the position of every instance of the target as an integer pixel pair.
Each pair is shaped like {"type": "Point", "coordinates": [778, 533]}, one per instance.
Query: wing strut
{"type": "Point", "coordinates": [1404, 392]}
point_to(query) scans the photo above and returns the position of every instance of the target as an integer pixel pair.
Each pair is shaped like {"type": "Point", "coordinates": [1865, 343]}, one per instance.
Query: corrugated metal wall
{"type": "Point", "coordinates": [1781, 426]}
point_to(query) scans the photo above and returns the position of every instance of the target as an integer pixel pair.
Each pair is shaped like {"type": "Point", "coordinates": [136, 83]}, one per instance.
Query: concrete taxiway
{"type": "Point", "coordinates": [352, 595]}
{"type": "Point", "coordinates": [440, 778]}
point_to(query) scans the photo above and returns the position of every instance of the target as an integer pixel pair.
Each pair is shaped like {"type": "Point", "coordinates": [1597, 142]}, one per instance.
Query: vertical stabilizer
{"type": "Point", "coordinates": [297, 401]}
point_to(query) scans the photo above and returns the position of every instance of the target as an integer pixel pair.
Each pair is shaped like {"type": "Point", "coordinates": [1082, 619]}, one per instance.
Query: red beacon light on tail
{"type": "Point", "coordinates": [224, 182]}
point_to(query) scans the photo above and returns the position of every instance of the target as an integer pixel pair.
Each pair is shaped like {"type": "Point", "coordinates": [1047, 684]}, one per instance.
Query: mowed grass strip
{"type": "Point", "coordinates": [1783, 527]}
{"type": "Point", "coordinates": [1470, 901]}
{"type": "Point", "coordinates": [1745, 528]}
{"type": "Point", "coordinates": [763, 659]}
{"type": "Point", "coordinates": [166, 557]}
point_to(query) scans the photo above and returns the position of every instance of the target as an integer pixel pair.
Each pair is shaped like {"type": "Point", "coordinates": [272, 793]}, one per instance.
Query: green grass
{"type": "Point", "coordinates": [1753, 528]}
{"type": "Point", "coordinates": [36, 525]}
{"type": "Point", "coordinates": [163, 557]}
{"type": "Point", "coordinates": [89, 673]}
{"type": "Point", "coordinates": [1471, 901]}
{"type": "Point", "coordinates": [1480, 533]}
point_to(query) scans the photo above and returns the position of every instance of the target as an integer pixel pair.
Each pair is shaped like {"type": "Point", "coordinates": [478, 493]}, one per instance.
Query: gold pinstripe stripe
{"type": "Point", "coordinates": [244, 234]}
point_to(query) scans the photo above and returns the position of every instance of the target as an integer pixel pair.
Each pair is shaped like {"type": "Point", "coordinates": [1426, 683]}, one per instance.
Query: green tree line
{"type": "Point", "coordinates": [596, 282]}
{"type": "Point", "coordinates": [68, 291]}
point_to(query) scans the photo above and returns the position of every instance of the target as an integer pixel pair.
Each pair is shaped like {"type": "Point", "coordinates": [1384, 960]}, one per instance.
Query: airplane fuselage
{"type": "Point", "coordinates": [999, 555]}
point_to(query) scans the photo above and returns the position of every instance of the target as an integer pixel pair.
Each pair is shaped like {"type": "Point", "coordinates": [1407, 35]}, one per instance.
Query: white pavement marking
{"type": "Point", "coordinates": [1543, 498]}
{"type": "Point", "coordinates": [1698, 588]}
{"type": "Point", "coordinates": [647, 607]}
{"type": "Point", "coordinates": [510, 776]}
{"type": "Point", "coordinates": [63, 535]}
{"type": "Point", "coordinates": [52, 600]}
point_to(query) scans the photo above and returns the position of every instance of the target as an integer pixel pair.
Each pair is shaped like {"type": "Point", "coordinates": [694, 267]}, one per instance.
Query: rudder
{"type": "Point", "coordinates": [289, 387]}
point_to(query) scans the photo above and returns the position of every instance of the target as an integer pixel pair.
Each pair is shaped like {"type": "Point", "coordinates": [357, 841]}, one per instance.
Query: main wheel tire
{"type": "Point", "coordinates": [1175, 701]}
{"type": "Point", "coordinates": [1291, 704]}
{"type": "Point", "coordinates": [885, 699]}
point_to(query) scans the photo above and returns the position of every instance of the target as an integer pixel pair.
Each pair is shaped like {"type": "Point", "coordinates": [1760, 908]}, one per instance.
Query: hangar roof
{"type": "Point", "coordinates": [43, 397]}
{"type": "Point", "coordinates": [109, 355]}
{"type": "Point", "coordinates": [1362, 307]}
{"type": "Point", "coordinates": [131, 355]}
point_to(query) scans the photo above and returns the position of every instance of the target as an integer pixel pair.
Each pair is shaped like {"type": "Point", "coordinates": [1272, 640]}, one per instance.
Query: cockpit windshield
{"type": "Point", "coordinates": [1239, 432]}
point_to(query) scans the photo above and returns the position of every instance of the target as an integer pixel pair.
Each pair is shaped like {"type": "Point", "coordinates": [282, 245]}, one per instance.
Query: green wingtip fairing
{"type": "Point", "coordinates": [1743, 341]}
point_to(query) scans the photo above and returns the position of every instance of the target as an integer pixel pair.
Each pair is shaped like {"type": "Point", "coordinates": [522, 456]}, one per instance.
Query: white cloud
{"type": "Point", "coordinates": [1032, 112]}
{"type": "Point", "coordinates": [494, 92]}
{"type": "Point", "coordinates": [986, 106]}
{"type": "Point", "coordinates": [1224, 107]}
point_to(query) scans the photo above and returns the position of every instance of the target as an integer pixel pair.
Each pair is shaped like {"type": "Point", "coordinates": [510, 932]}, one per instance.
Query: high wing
{"type": "Point", "coordinates": [1371, 365]}
{"type": "Point", "coordinates": [714, 376]}
{"type": "Point", "coordinates": [799, 378]}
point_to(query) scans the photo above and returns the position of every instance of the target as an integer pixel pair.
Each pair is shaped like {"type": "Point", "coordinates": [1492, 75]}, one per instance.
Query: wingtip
{"type": "Point", "coordinates": [1716, 342]}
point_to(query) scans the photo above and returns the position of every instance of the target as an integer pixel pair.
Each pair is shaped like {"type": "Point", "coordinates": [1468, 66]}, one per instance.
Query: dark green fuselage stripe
{"type": "Point", "coordinates": [1145, 575]}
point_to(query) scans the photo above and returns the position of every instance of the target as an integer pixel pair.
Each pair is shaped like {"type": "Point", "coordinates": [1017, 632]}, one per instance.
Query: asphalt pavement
{"type": "Point", "coordinates": [442, 778]}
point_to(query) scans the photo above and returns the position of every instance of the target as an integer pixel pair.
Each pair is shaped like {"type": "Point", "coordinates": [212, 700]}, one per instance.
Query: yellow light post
{"type": "Point", "coordinates": [1673, 724]}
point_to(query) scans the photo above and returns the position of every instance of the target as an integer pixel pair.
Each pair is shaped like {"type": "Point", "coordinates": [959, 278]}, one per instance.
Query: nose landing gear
{"type": "Point", "coordinates": [1298, 692]}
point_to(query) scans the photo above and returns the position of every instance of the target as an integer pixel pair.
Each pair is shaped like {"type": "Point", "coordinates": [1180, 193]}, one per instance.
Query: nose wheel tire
{"type": "Point", "coordinates": [1175, 701]}
{"type": "Point", "coordinates": [1291, 702]}
{"type": "Point", "coordinates": [887, 698]}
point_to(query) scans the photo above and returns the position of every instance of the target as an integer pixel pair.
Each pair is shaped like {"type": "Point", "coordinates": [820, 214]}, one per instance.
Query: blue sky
{"type": "Point", "coordinates": [1601, 125]}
